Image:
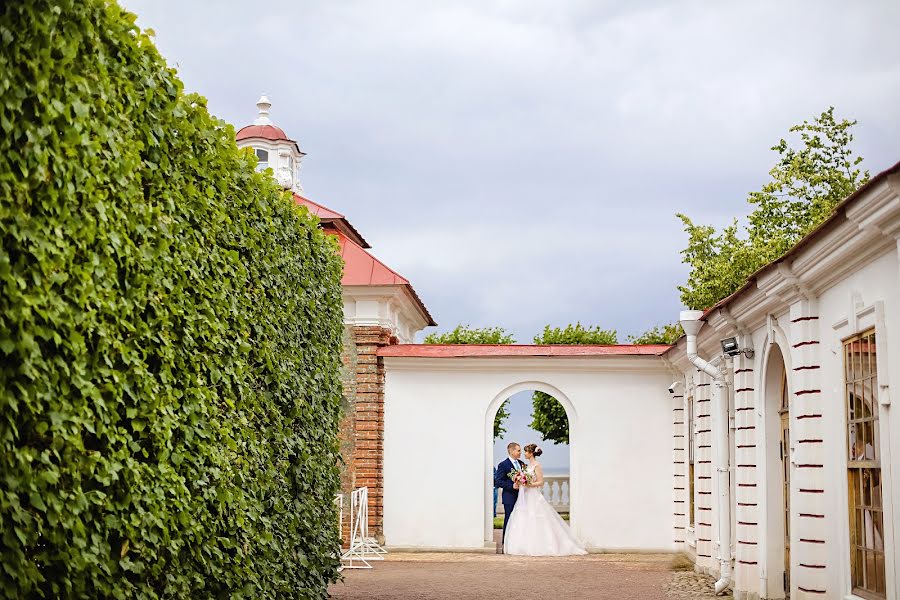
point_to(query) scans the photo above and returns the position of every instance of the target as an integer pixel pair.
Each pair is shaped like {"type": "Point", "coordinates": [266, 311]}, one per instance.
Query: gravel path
{"type": "Point", "coordinates": [460, 576]}
{"type": "Point", "coordinates": [687, 585]}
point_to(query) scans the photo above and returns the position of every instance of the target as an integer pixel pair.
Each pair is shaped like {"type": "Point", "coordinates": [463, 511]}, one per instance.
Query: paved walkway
{"type": "Point", "coordinates": [407, 576]}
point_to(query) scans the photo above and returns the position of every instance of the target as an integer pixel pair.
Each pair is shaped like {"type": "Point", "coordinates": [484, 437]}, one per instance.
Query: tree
{"type": "Point", "coordinates": [549, 417]}
{"type": "Point", "coordinates": [576, 334]}
{"type": "Point", "coordinates": [464, 334]}
{"type": "Point", "coordinates": [660, 334]}
{"type": "Point", "coordinates": [170, 333]}
{"type": "Point", "coordinates": [805, 185]}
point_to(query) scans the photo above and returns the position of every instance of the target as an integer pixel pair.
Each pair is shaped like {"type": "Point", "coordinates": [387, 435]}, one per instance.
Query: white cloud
{"type": "Point", "coordinates": [520, 161]}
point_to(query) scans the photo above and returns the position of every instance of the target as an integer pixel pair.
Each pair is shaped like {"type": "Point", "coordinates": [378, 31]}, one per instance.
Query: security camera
{"type": "Point", "coordinates": [674, 386]}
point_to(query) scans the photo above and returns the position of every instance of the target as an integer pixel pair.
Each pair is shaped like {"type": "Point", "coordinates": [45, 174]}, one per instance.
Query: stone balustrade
{"type": "Point", "coordinates": [556, 491]}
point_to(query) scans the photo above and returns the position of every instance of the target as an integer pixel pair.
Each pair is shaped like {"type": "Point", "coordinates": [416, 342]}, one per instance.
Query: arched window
{"type": "Point", "coordinates": [263, 158]}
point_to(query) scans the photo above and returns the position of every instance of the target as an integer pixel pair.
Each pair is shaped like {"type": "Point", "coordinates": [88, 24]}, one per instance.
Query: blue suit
{"type": "Point", "coordinates": [510, 495]}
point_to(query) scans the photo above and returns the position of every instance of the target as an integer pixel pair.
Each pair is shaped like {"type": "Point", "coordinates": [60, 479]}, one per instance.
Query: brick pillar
{"type": "Point", "coordinates": [367, 462]}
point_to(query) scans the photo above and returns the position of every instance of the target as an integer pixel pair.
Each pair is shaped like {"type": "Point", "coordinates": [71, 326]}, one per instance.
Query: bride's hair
{"type": "Point", "coordinates": [533, 450]}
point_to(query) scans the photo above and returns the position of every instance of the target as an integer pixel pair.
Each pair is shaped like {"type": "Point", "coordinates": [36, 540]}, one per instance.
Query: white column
{"type": "Point", "coordinates": [809, 540]}
{"type": "Point", "coordinates": [747, 482]}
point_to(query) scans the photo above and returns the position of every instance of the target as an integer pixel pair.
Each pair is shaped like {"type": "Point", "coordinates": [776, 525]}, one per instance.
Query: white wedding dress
{"type": "Point", "coordinates": [535, 529]}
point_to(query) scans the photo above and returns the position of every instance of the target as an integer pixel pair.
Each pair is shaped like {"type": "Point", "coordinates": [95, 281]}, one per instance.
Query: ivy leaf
{"type": "Point", "coordinates": [37, 501]}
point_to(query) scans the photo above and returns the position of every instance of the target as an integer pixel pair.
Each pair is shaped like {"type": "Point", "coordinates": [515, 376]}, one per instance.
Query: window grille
{"type": "Point", "coordinates": [864, 467]}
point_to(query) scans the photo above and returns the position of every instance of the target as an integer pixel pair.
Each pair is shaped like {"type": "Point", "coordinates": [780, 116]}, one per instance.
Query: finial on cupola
{"type": "Point", "coordinates": [263, 104]}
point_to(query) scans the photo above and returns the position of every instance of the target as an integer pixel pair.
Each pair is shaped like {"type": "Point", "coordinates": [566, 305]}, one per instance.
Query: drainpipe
{"type": "Point", "coordinates": [690, 321]}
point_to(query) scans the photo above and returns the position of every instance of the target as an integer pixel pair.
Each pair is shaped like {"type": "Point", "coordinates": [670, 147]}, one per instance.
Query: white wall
{"type": "Point", "coordinates": [437, 471]}
{"type": "Point", "coordinates": [846, 306]}
{"type": "Point", "coordinates": [851, 301]}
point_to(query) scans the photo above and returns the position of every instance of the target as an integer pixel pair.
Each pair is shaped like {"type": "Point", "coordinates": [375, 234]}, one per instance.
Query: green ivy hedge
{"type": "Point", "coordinates": [170, 329]}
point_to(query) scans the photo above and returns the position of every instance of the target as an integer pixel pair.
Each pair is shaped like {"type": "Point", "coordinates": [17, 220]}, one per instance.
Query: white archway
{"type": "Point", "coordinates": [438, 415]}
{"type": "Point", "coordinates": [491, 410]}
{"type": "Point", "coordinates": [768, 381]}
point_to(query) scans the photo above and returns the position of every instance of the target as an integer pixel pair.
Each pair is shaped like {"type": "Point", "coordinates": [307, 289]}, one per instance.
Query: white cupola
{"type": "Point", "coordinates": [274, 149]}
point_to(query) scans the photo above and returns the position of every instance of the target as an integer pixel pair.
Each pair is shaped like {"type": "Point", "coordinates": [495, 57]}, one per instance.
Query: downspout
{"type": "Point", "coordinates": [690, 321]}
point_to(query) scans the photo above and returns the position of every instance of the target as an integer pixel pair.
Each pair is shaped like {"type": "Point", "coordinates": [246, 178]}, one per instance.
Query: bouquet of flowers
{"type": "Point", "coordinates": [521, 476]}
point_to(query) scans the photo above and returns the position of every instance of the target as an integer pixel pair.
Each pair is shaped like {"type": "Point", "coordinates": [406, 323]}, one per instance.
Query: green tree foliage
{"type": "Point", "coordinates": [549, 417]}
{"type": "Point", "coordinates": [659, 334]}
{"type": "Point", "coordinates": [500, 419]}
{"type": "Point", "coordinates": [576, 334]}
{"type": "Point", "coordinates": [464, 334]}
{"type": "Point", "coordinates": [804, 187]}
{"type": "Point", "coordinates": [170, 329]}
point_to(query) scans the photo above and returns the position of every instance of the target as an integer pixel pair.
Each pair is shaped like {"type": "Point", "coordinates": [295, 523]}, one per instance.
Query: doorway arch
{"type": "Point", "coordinates": [490, 411]}
{"type": "Point", "coordinates": [776, 454]}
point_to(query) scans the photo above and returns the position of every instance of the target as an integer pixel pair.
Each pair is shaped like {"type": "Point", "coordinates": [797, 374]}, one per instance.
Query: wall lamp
{"type": "Point", "coordinates": [730, 347]}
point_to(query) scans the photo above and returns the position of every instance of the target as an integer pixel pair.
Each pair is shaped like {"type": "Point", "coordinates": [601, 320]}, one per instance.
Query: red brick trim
{"type": "Point", "coordinates": [808, 343]}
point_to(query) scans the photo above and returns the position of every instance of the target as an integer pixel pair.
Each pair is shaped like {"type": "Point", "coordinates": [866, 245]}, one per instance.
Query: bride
{"type": "Point", "coordinates": [534, 528]}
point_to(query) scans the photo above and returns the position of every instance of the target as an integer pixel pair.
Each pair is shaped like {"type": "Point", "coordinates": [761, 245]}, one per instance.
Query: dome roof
{"type": "Point", "coordinates": [262, 127]}
{"type": "Point", "coordinates": [268, 132]}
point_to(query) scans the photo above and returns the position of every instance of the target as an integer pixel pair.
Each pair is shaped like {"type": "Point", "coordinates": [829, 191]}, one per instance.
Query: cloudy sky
{"type": "Point", "coordinates": [521, 161]}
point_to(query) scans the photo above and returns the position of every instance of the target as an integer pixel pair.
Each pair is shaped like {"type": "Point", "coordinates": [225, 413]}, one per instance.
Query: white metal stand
{"type": "Point", "coordinates": [371, 546]}
{"type": "Point", "coordinates": [362, 547]}
{"type": "Point", "coordinates": [339, 501]}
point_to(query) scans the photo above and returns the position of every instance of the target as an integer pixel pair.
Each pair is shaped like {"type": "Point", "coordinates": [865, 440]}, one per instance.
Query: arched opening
{"type": "Point", "coordinates": [530, 411]}
{"type": "Point", "coordinates": [776, 396]}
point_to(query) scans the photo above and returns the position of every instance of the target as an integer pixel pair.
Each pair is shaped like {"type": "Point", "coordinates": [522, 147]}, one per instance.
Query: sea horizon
{"type": "Point", "coordinates": [556, 472]}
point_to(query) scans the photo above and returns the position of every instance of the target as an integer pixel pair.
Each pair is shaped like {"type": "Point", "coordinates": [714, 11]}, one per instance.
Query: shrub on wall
{"type": "Point", "coordinates": [169, 333]}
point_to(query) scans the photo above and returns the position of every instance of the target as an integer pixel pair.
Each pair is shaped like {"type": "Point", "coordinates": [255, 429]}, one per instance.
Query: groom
{"type": "Point", "coordinates": [502, 480]}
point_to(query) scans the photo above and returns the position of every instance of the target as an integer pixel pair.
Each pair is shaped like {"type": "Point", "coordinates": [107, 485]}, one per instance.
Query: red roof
{"type": "Point", "coordinates": [336, 219]}
{"type": "Point", "coordinates": [360, 267]}
{"type": "Point", "coordinates": [363, 269]}
{"type": "Point", "coordinates": [512, 350]}
{"type": "Point", "coordinates": [324, 213]}
{"type": "Point", "coordinates": [266, 132]}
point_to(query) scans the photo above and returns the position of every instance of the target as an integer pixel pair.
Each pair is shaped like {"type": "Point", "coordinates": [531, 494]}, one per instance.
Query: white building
{"type": "Point", "coordinates": [784, 479]}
